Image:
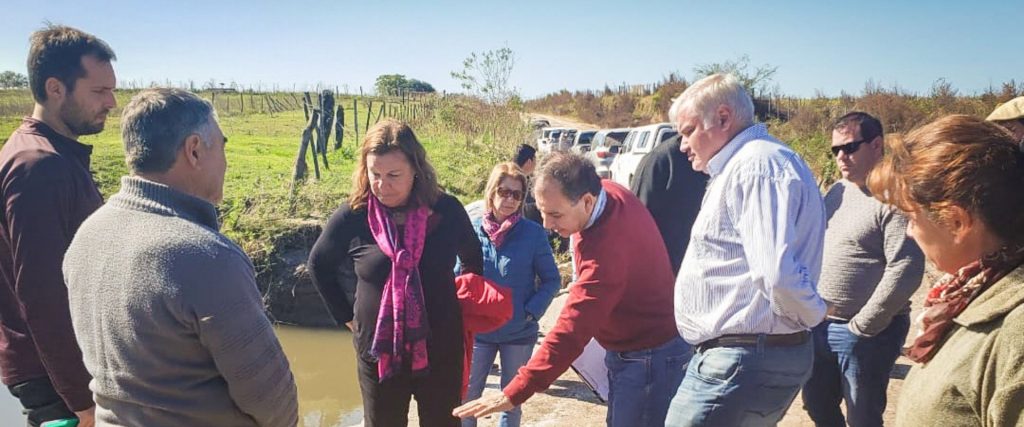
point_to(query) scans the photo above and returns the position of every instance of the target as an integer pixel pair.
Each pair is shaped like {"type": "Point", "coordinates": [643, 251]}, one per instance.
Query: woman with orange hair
{"type": "Point", "coordinates": [959, 179]}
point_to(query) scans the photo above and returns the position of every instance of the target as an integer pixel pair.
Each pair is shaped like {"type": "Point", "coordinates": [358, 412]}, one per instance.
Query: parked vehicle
{"type": "Point", "coordinates": [556, 139]}
{"type": "Point", "coordinates": [581, 144]}
{"type": "Point", "coordinates": [548, 135]}
{"type": "Point", "coordinates": [565, 140]}
{"type": "Point", "coordinates": [639, 142]}
{"type": "Point", "coordinates": [604, 147]}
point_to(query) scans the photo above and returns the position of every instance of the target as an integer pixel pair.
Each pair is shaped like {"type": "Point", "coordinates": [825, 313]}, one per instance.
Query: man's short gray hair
{"type": "Point", "coordinates": [707, 94]}
{"type": "Point", "coordinates": [156, 122]}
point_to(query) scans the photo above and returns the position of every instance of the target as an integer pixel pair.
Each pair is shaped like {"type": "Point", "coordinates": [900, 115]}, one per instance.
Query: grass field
{"type": "Point", "coordinates": [259, 210]}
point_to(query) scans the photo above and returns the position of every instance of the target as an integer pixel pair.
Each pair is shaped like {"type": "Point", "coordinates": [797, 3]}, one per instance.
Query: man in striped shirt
{"type": "Point", "coordinates": [746, 291]}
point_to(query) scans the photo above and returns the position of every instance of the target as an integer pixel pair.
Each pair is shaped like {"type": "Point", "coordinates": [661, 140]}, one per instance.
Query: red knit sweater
{"type": "Point", "coordinates": [622, 295]}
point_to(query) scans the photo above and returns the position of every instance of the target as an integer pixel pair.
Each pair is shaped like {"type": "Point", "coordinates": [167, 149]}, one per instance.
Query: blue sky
{"type": "Point", "coordinates": [817, 45]}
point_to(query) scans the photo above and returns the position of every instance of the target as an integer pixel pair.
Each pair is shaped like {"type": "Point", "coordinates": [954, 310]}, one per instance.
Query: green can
{"type": "Point", "coordinates": [73, 422]}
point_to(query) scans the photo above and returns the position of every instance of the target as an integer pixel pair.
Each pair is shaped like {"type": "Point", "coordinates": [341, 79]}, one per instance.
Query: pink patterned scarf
{"type": "Point", "coordinates": [951, 295]}
{"type": "Point", "coordinates": [498, 231]}
{"type": "Point", "coordinates": [402, 330]}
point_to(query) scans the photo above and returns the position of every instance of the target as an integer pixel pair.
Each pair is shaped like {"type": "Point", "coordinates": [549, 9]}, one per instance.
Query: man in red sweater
{"type": "Point", "coordinates": [622, 297]}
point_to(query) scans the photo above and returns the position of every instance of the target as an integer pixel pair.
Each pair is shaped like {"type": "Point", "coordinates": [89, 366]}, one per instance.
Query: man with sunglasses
{"type": "Point", "coordinates": [870, 268]}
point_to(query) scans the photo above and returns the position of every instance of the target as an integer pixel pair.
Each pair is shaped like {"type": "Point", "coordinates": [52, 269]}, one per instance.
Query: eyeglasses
{"type": "Point", "coordinates": [506, 193]}
{"type": "Point", "coordinates": [850, 147]}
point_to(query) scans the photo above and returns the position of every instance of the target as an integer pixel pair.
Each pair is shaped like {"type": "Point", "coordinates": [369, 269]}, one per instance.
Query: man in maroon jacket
{"type": "Point", "coordinates": [47, 191]}
{"type": "Point", "coordinates": [622, 297]}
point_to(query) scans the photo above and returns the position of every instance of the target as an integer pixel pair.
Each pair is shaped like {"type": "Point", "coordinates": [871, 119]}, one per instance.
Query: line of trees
{"type": "Point", "coordinates": [13, 80]}
{"type": "Point", "coordinates": [393, 83]}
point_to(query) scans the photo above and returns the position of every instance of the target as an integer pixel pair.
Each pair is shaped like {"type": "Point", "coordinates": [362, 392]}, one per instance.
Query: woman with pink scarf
{"type": "Point", "coordinates": [402, 234]}
{"type": "Point", "coordinates": [517, 255]}
{"type": "Point", "coordinates": [960, 181]}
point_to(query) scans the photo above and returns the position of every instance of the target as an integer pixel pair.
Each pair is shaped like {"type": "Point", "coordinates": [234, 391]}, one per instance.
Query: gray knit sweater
{"type": "Point", "coordinates": [170, 323]}
{"type": "Point", "coordinates": [870, 268]}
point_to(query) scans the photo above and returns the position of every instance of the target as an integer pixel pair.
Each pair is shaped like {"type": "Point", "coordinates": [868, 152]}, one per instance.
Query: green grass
{"type": "Point", "coordinates": [260, 210]}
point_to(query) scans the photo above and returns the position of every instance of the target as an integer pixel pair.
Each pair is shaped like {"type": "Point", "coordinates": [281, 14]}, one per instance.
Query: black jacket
{"type": "Point", "coordinates": [667, 184]}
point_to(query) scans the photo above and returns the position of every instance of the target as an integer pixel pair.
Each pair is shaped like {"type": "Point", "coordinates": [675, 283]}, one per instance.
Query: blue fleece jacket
{"type": "Point", "coordinates": [525, 264]}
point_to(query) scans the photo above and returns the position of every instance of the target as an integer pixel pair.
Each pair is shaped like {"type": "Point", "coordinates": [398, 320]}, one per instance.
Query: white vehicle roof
{"type": "Point", "coordinates": [607, 131]}
{"type": "Point", "coordinates": [653, 127]}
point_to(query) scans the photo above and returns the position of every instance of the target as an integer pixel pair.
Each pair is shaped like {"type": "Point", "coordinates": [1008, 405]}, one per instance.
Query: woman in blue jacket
{"type": "Point", "coordinates": [517, 255]}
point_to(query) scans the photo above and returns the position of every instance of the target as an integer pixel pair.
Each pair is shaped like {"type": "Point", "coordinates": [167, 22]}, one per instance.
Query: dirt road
{"type": "Point", "coordinates": [561, 122]}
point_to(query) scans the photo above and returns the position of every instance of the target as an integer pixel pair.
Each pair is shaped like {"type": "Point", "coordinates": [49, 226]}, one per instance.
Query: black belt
{"type": "Point", "coordinates": [795, 338]}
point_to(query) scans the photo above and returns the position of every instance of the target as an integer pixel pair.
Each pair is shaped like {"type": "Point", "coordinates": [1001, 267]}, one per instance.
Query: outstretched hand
{"type": "Point", "coordinates": [484, 406]}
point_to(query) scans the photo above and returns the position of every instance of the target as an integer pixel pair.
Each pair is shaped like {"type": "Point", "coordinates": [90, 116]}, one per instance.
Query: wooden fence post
{"type": "Point", "coordinates": [305, 104]}
{"type": "Point", "coordinates": [369, 114]}
{"type": "Point", "coordinates": [339, 127]}
{"type": "Point", "coordinates": [326, 103]}
{"type": "Point", "coordinates": [355, 117]}
{"type": "Point", "coordinates": [307, 141]}
{"type": "Point", "coordinates": [301, 169]}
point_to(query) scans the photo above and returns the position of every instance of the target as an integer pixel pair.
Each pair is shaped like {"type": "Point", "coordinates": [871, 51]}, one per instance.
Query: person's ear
{"type": "Point", "coordinates": [589, 201]}
{"type": "Point", "coordinates": [191, 149]}
{"type": "Point", "coordinates": [724, 117]}
{"type": "Point", "coordinates": [55, 89]}
{"type": "Point", "coordinates": [960, 223]}
{"type": "Point", "coordinates": [878, 145]}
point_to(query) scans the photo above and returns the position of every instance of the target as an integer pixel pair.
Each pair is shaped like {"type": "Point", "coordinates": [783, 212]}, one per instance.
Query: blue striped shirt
{"type": "Point", "coordinates": [754, 257]}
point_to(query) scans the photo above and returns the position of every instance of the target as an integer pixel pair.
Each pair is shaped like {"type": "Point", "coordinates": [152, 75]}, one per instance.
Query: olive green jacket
{"type": "Point", "coordinates": [977, 376]}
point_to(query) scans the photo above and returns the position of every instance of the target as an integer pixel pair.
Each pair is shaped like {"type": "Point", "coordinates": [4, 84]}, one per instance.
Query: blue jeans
{"type": "Point", "coordinates": [741, 386]}
{"type": "Point", "coordinates": [513, 356]}
{"type": "Point", "coordinates": [852, 368]}
{"type": "Point", "coordinates": [641, 383]}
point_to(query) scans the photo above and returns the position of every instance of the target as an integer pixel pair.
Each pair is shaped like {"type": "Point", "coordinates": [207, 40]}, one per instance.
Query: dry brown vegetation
{"type": "Point", "coordinates": [804, 123]}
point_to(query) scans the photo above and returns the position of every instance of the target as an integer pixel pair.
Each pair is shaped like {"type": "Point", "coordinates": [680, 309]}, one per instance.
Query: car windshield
{"type": "Point", "coordinates": [617, 137]}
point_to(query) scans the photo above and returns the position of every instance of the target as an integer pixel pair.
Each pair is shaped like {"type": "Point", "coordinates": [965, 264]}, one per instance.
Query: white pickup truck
{"type": "Point", "coordinates": [639, 142]}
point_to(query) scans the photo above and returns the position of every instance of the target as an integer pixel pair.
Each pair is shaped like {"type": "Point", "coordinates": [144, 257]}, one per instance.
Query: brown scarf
{"type": "Point", "coordinates": [951, 295]}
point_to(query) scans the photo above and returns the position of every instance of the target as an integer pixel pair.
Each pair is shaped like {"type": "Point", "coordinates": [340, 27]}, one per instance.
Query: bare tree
{"type": "Point", "coordinates": [756, 80]}
{"type": "Point", "coordinates": [487, 75]}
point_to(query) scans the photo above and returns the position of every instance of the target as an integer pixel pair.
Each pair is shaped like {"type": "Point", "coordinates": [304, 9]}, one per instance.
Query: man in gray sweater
{"type": "Point", "coordinates": [164, 306]}
{"type": "Point", "coordinates": [870, 268]}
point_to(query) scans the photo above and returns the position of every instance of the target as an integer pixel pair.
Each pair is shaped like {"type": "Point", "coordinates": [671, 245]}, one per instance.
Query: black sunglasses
{"type": "Point", "coordinates": [515, 194]}
{"type": "Point", "coordinates": [850, 147]}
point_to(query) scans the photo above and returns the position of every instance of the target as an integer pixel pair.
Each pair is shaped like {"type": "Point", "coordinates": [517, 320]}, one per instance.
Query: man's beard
{"type": "Point", "coordinates": [78, 121]}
